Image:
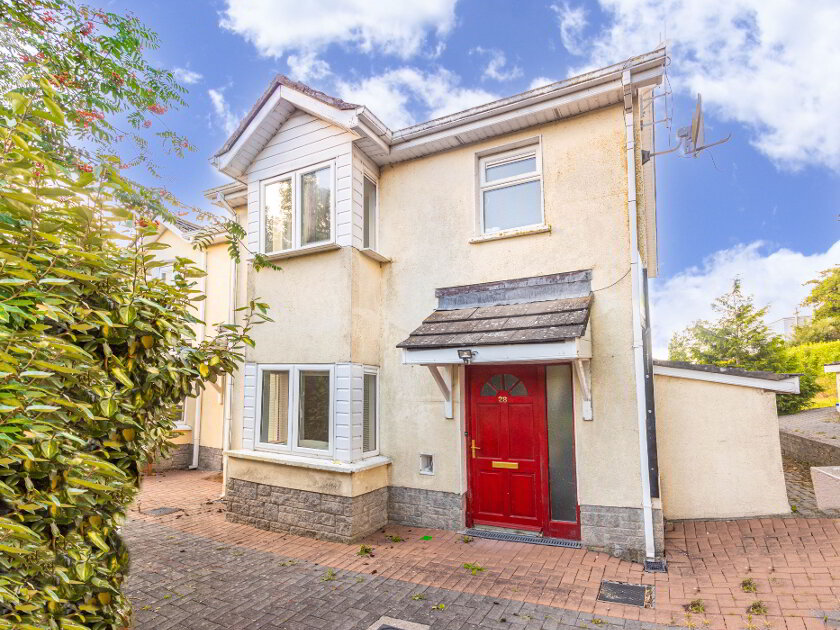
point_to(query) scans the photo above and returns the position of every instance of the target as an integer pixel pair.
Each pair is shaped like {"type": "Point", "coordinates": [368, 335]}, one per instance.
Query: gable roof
{"type": "Point", "coordinates": [573, 96]}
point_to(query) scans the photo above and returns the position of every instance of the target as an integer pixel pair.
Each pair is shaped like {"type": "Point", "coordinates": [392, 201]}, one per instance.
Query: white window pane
{"type": "Point", "coordinates": [314, 410]}
{"type": "Point", "coordinates": [370, 214]}
{"type": "Point", "coordinates": [512, 206]}
{"type": "Point", "coordinates": [509, 169]}
{"type": "Point", "coordinates": [369, 414]}
{"type": "Point", "coordinates": [274, 421]}
{"type": "Point", "coordinates": [315, 206]}
{"type": "Point", "coordinates": [278, 216]}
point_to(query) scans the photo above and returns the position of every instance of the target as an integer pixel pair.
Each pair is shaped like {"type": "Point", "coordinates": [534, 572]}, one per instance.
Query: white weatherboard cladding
{"type": "Point", "coordinates": [362, 165]}
{"type": "Point", "coordinates": [249, 411]}
{"type": "Point", "coordinates": [349, 393]}
{"type": "Point", "coordinates": [304, 140]}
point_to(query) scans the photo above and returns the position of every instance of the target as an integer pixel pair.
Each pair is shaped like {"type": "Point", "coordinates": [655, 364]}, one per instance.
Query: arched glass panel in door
{"type": "Point", "coordinates": [504, 382]}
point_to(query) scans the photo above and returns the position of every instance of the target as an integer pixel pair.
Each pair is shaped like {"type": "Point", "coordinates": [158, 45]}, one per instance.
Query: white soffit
{"type": "Point", "coordinates": [789, 385]}
{"type": "Point", "coordinates": [504, 353]}
{"type": "Point", "coordinates": [594, 90]}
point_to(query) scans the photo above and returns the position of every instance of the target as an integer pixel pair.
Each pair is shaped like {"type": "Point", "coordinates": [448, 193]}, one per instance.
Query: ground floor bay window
{"type": "Point", "coordinates": [314, 410]}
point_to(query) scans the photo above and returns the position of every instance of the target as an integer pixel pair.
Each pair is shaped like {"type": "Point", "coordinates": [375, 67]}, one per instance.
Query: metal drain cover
{"type": "Point", "coordinates": [534, 540]}
{"type": "Point", "coordinates": [631, 594]}
{"type": "Point", "coordinates": [163, 511]}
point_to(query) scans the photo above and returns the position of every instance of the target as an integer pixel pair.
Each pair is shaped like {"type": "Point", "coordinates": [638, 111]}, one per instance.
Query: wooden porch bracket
{"type": "Point", "coordinates": [584, 375]}
{"type": "Point", "coordinates": [444, 379]}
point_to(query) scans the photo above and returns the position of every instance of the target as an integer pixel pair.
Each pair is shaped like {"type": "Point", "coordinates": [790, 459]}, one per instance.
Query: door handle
{"type": "Point", "coordinates": [474, 448]}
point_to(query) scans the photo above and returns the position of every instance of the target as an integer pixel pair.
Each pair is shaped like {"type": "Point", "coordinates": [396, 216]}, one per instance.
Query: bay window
{"type": "Point", "coordinates": [295, 408]}
{"type": "Point", "coordinates": [370, 412]}
{"type": "Point", "coordinates": [297, 209]}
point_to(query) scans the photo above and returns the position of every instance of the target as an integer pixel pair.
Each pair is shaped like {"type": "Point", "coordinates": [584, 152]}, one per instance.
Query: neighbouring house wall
{"type": "Point", "coordinates": [427, 218]}
{"type": "Point", "coordinates": [719, 453]}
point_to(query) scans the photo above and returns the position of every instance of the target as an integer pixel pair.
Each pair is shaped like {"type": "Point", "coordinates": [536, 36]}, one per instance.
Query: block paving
{"type": "Point", "coordinates": [194, 569]}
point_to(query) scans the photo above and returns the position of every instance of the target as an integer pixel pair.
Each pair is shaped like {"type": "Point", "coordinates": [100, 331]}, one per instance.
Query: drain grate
{"type": "Point", "coordinates": [163, 511]}
{"type": "Point", "coordinates": [640, 595]}
{"type": "Point", "coordinates": [656, 566]}
{"type": "Point", "coordinates": [534, 540]}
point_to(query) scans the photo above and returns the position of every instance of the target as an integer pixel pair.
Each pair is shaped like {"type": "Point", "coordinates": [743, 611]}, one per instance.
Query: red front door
{"type": "Point", "coordinates": [507, 447]}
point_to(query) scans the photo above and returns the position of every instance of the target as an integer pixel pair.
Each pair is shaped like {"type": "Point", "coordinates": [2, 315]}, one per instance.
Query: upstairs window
{"type": "Point", "coordinates": [370, 210]}
{"type": "Point", "coordinates": [297, 209]}
{"type": "Point", "coordinates": [510, 190]}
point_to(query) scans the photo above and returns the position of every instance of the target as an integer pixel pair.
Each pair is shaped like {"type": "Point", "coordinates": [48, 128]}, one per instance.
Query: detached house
{"type": "Point", "coordinates": [461, 331]}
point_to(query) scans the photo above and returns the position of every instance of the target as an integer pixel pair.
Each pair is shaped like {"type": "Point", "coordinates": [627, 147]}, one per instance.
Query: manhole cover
{"type": "Point", "coordinates": [631, 594]}
{"type": "Point", "coordinates": [391, 623]}
{"type": "Point", "coordinates": [162, 511]}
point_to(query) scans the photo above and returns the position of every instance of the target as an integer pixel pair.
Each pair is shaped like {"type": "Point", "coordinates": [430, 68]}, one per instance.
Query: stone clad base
{"type": "Point", "coordinates": [178, 459]}
{"type": "Point", "coordinates": [303, 513]}
{"type": "Point", "coordinates": [209, 458]}
{"type": "Point", "coordinates": [619, 531]}
{"type": "Point", "coordinates": [425, 508]}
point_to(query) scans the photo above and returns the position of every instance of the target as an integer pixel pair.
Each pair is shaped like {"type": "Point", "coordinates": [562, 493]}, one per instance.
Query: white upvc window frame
{"type": "Point", "coordinates": [373, 370]}
{"type": "Point", "coordinates": [292, 447]}
{"type": "Point", "coordinates": [295, 177]}
{"type": "Point", "coordinates": [501, 156]}
{"type": "Point", "coordinates": [375, 227]}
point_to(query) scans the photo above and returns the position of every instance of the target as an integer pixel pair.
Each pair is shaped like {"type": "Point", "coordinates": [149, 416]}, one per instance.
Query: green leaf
{"type": "Point", "coordinates": [98, 540]}
{"type": "Point", "coordinates": [122, 377]}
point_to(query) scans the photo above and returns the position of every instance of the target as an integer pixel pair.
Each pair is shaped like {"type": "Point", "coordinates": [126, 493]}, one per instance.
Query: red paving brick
{"type": "Point", "coordinates": [795, 562]}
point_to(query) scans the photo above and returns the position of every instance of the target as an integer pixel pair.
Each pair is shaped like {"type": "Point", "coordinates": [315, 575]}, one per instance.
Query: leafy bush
{"type": "Point", "coordinates": [94, 354]}
{"type": "Point", "coordinates": [809, 359]}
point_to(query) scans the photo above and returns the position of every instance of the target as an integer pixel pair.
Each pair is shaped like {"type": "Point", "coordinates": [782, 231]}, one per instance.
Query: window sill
{"type": "Point", "coordinates": [182, 427]}
{"type": "Point", "coordinates": [303, 251]}
{"type": "Point", "coordinates": [523, 231]}
{"type": "Point", "coordinates": [313, 463]}
{"type": "Point", "coordinates": [372, 253]}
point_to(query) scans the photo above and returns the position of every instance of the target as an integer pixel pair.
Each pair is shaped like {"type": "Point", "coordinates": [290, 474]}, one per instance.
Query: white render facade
{"type": "Point", "coordinates": [527, 228]}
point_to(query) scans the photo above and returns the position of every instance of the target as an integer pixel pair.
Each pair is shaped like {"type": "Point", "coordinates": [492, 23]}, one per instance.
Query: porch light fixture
{"type": "Point", "coordinates": [466, 355]}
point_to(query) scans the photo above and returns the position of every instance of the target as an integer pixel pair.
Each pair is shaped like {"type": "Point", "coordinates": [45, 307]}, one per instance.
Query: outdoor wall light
{"type": "Point", "coordinates": [466, 355]}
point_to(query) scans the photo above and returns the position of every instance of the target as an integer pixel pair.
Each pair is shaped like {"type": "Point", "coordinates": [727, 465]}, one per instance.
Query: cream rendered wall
{"type": "Point", "coordinates": [716, 464]}
{"type": "Point", "coordinates": [427, 217]}
{"type": "Point", "coordinates": [217, 311]}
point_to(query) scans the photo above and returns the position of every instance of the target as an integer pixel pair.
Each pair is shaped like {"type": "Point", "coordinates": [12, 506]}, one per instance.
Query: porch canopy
{"type": "Point", "coordinates": [540, 319]}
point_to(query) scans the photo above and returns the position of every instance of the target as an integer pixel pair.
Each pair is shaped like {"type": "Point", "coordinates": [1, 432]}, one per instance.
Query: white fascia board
{"type": "Point", "coordinates": [343, 118]}
{"type": "Point", "coordinates": [223, 161]}
{"type": "Point", "coordinates": [492, 118]}
{"type": "Point", "coordinates": [832, 368]}
{"type": "Point", "coordinates": [506, 353]}
{"type": "Point", "coordinates": [789, 385]}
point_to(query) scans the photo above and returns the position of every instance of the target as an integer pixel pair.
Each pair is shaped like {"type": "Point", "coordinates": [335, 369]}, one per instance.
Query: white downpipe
{"type": "Point", "coordinates": [200, 399]}
{"type": "Point", "coordinates": [228, 406]}
{"type": "Point", "coordinates": [638, 341]}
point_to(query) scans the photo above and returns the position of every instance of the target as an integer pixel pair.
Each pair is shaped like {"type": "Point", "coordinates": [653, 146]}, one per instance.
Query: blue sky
{"type": "Point", "coordinates": [763, 206]}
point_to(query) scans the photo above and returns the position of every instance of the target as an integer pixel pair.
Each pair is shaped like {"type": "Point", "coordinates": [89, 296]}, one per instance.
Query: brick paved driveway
{"type": "Point", "coordinates": [193, 569]}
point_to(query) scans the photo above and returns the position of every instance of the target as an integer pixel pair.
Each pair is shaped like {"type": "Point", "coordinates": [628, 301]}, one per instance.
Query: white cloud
{"type": "Point", "coordinates": [278, 26]}
{"type": "Point", "coordinates": [306, 66]}
{"type": "Point", "coordinates": [764, 63]}
{"type": "Point", "coordinates": [223, 116]}
{"type": "Point", "coordinates": [539, 82]}
{"type": "Point", "coordinates": [572, 21]}
{"type": "Point", "coordinates": [773, 278]}
{"type": "Point", "coordinates": [395, 94]}
{"type": "Point", "coordinates": [185, 75]}
{"type": "Point", "coordinates": [497, 68]}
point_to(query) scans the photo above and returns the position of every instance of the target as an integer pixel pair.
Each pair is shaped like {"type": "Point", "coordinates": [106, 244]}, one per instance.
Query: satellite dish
{"type": "Point", "coordinates": [692, 139]}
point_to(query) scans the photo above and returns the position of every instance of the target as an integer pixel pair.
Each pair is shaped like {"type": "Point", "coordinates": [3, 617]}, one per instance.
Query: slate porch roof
{"type": "Point", "coordinates": [529, 322]}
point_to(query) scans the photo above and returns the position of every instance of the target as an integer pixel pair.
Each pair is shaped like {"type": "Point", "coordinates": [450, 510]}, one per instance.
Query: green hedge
{"type": "Point", "coordinates": [810, 358]}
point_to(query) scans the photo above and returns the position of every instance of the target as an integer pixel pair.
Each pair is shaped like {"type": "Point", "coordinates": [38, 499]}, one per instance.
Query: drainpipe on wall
{"type": "Point", "coordinates": [638, 339]}
{"type": "Point", "coordinates": [228, 406]}
{"type": "Point", "coordinates": [199, 400]}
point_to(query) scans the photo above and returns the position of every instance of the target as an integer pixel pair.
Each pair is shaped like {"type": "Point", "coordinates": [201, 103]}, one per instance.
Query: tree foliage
{"type": "Point", "coordinates": [739, 338]}
{"type": "Point", "coordinates": [825, 298]}
{"type": "Point", "coordinates": [95, 354]}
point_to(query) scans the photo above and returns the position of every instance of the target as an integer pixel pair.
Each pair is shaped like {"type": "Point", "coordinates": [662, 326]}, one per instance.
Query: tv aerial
{"type": "Point", "coordinates": [692, 139]}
